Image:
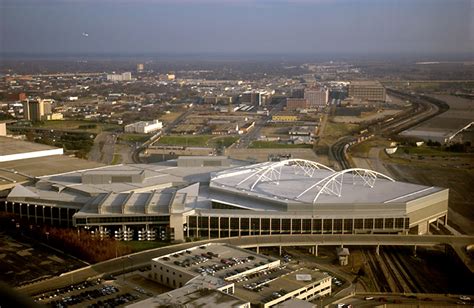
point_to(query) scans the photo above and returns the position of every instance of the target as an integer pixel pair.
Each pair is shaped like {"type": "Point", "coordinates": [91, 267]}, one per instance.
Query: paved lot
{"type": "Point", "coordinates": [139, 259]}
{"type": "Point", "coordinates": [22, 262]}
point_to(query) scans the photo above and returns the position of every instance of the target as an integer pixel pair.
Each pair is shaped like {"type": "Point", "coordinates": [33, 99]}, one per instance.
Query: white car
{"type": "Point", "coordinates": [464, 298]}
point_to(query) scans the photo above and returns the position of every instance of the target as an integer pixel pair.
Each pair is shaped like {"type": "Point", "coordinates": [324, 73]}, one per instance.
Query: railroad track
{"type": "Point", "coordinates": [379, 277]}
{"type": "Point", "coordinates": [423, 108]}
{"type": "Point", "coordinates": [405, 272]}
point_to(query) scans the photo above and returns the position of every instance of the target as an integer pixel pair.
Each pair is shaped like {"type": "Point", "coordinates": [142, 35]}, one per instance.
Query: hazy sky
{"type": "Point", "coordinates": [237, 26]}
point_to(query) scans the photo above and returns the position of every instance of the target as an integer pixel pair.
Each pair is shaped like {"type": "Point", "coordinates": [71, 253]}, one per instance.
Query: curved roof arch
{"type": "Point", "coordinates": [272, 172]}
{"type": "Point", "coordinates": [332, 184]}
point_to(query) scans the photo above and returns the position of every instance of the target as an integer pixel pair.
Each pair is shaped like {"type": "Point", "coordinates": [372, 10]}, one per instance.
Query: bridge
{"type": "Point", "coordinates": [312, 241]}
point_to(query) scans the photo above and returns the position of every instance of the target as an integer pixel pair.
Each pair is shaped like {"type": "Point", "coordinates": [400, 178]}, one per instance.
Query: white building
{"type": "Point", "coordinates": [143, 127]}
{"type": "Point", "coordinates": [127, 76]}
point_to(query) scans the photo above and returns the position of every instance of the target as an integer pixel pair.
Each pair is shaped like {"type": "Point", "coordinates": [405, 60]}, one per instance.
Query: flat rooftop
{"type": "Point", "coordinates": [20, 171]}
{"type": "Point", "coordinates": [239, 183]}
{"type": "Point", "coordinates": [282, 282]}
{"type": "Point", "coordinates": [10, 146]}
{"type": "Point", "coordinates": [191, 296]}
{"type": "Point", "coordinates": [366, 83]}
{"type": "Point", "coordinates": [225, 261]}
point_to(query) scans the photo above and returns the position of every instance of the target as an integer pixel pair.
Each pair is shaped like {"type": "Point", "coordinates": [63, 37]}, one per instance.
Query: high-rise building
{"type": "Point", "coordinates": [255, 97]}
{"type": "Point", "coordinates": [140, 67]}
{"type": "Point", "coordinates": [36, 110]}
{"type": "Point", "coordinates": [316, 97]}
{"type": "Point", "coordinates": [367, 90]}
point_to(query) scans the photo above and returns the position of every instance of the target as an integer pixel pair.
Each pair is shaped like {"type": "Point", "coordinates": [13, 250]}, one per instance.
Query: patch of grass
{"type": "Point", "coordinates": [224, 141]}
{"type": "Point", "coordinates": [277, 145]}
{"type": "Point", "coordinates": [334, 129]}
{"type": "Point", "coordinates": [117, 159]}
{"type": "Point", "coordinates": [426, 151]}
{"type": "Point", "coordinates": [186, 140]}
{"type": "Point", "coordinates": [134, 137]}
{"type": "Point", "coordinates": [80, 125]}
{"type": "Point", "coordinates": [137, 246]}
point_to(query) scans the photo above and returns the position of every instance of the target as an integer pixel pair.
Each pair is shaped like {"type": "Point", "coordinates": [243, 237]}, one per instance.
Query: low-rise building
{"type": "Point", "coordinates": [284, 118]}
{"type": "Point", "coordinates": [127, 76]}
{"type": "Point", "coordinates": [283, 285]}
{"type": "Point", "coordinates": [143, 127]}
{"type": "Point", "coordinates": [222, 261]}
{"type": "Point", "coordinates": [296, 103]}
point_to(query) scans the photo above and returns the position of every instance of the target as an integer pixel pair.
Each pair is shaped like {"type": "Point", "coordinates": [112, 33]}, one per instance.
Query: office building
{"type": "Point", "coordinates": [367, 90]}
{"type": "Point", "coordinates": [316, 97]}
{"type": "Point", "coordinates": [140, 67]}
{"type": "Point", "coordinates": [37, 109]}
{"type": "Point", "coordinates": [255, 97]}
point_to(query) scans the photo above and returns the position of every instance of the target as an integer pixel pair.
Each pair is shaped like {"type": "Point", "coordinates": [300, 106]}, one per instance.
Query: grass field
{"type": "Point", "coordinates": [339, 129]}
{"type": "Point", "coordinates": [134, 137]}
{"type": "Point", "coordinates": [224, 141]}
{"type": "Point", "coordinates": [80, 125]}
{"type": "Point", "coordinates": [186, 140]}
{"type": "Point", "coordinates": [276, 145]}
{"type": "Point", "coordinates": [137, 246]}
{"type": "Point", "coordinates": [426, 151]}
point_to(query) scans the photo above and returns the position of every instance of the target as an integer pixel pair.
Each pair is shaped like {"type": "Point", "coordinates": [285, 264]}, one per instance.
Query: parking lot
{"type": "Point", "coordinates": [95, 293]}
{"type": "Point", "coordinates": [23, 261]}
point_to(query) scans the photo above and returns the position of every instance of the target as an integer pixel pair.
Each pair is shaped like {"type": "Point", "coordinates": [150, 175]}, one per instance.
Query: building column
{"type": "Point", "coordinates": [332, 226]}
{"type": "Point", "coordinates": [51, 212]}
{"type": "Point", "coordinates": [270, 221]}
{"type": "Point", "coordinates": [291, 225]}
{"type": "Point", "coordinates": [36, 214]}
{"type": "Point", "coordinates": [68, 218]}
{"type": "Point", "coordinates": [258, 249]}
{"type": "Point", "coordinates": [219, 227]}
{"type": "Point", "coordinates": [198, 218]}
{"type": "Point", "coordinates": [280, 226]}
{"type": "Point", "coordinates": [208, 227]}
{"type": "Point", "coordinates": [260, 226]}
{"type": "Point", "coordinates": [240, 227]}
{"type": "Point", "coordinates": [315, 249]}
{"type": "Point", "coordinates": [44, 217]}
{"type": "Point", "coordinates": [28, 212]}
{"type": "Point", "coordinates": [279, 250]}
{"type": "Point", "coordinates": [414, 251]}
{"type": "Point", "coordinates": [377, 250]}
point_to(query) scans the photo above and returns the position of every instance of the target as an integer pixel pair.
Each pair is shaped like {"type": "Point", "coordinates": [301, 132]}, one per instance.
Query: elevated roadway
{"type": "Point", "coordinates": [133, 261]}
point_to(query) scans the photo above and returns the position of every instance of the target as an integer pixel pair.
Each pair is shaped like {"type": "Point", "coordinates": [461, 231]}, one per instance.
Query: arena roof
{"type": "Point", "coordinates": [300, 181]}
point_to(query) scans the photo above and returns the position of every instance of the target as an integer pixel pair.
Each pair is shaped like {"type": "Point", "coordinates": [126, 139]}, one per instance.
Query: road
{"type": "Point", "coordinates": [138, 149]}
{"type": "Point", "coordinates": [139, 259]}
{"type": "Point", "coordinates": [254, 133]}
{"type": "Point", "coordinates": [104, 148]}
{"type": "Point", "coordinates": [427, 300]}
